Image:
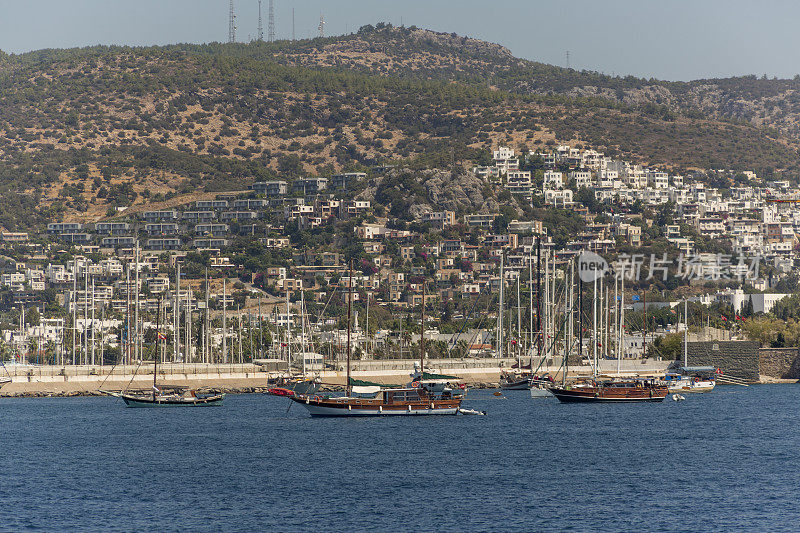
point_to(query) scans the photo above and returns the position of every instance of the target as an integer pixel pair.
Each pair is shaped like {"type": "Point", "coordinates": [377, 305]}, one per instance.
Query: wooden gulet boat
{"type": "Point", "coordinates": [422, 398]}
{"type": "Point", "coordinates": [172, 398]}
{"type": "Point", "coordinates": [616, 390]}
{"type": "Point", "coordinates": [612, 391]}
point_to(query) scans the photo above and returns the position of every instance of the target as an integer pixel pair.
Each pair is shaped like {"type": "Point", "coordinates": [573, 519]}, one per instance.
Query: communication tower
{"type": "Point", "coordinates": [231, 23]}
{"type": "Point", "coordinates": [260, 26]}
{"type": "Point", "coordinates": [321, 26]}
{"type": "Point", "coordinates": [271, 23]}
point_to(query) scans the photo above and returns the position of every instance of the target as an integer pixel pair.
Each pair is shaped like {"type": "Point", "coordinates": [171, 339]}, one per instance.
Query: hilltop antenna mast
{"type": "Point", "coordinates": [271, 23]}
{"type": "Point", "coordinates": [293, 24]}
{"type": "Point", "coordinates": [567, 58]}
{"type": "Point", "coordinates": [321, 26]}
{"type": "Point", "coordinates": [260, 26]}
{"type": "Point", "coordinates": [231, 23]}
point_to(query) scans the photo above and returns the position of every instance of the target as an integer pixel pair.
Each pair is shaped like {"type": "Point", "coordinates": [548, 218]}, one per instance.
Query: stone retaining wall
{"type": "Point", "coordinates": [735, 358]}
{"type": "Point", "coordinates": [783, 363]}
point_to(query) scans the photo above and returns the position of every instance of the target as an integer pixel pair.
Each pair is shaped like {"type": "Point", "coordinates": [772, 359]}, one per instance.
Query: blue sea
{"type": "Point", "coordinates": [729, 460]}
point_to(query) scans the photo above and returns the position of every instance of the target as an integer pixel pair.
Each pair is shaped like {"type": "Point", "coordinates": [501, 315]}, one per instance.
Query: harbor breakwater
{"type": "Point", "coordinates": [29, 380]}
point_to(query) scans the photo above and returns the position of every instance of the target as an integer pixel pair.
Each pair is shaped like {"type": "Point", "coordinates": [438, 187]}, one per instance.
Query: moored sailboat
{"type": "Point", "coordinates": [607, 390]}
{"type": "Point", "coordinates": [690, 379]}
{"type": "Point", "coordinates": [168, 397]}
{"type": "Point", "coordinates": [612, 391]}
{"type": "Point", "coordinates": [421, 397]}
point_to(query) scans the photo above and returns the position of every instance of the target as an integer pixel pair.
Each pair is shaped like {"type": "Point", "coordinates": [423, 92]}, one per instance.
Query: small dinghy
{"type": "Point", "coordinates": [470, 412]}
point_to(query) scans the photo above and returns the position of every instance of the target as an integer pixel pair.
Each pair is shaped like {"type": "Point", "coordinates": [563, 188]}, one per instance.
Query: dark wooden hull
{"type": "Point", "coordinates": [139, 401]}
{"type": "Point", "coordinates": [515, 384]}
{"type": "Point", "coordinates": [609, 394]}
{"type": "Point", "coordinates": [318, 406]}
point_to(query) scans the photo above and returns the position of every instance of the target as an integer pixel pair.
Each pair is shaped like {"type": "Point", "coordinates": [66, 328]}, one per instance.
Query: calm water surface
{"type": "Point", "coordinates": [721, 461]}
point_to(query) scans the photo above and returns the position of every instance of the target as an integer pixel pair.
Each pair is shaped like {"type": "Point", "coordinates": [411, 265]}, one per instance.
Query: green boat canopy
{"type": "Point", "coordinates": [361, 383]}
{"type": "Point", "coordinates": [428, 375]}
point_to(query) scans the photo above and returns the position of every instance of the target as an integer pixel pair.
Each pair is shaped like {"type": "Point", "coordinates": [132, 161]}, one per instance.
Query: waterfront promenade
{"type": "Point", "coordinates": [85, 379]}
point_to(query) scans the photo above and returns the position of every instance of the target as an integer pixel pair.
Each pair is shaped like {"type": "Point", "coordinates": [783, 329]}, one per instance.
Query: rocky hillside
{"type": "Point", "coordinates": [83, 131]}
{"type": "Point", "coordinates": [413, 52]}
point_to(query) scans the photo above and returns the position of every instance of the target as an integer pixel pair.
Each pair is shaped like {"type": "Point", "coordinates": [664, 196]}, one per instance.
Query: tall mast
{"type": "Point", "coordinates": [546, 308]}
{"type": "Point", "coordinates": [519, 328]}
{"type": "Point", "coordinates": [102, 332]}
{"type": "Point", "coordinates": [224, 320]}
{"type": "Point", "coordinates": [530, 305]}
{"type": "Point", "coordinates": [136, 309]}
{"type": "Point", "coordinates": [86, 312]}
{"type": "Point", "coordinates": [607, 349]}
{"type": "Point", "coordinates": [622, 321]}
{"type": "Point", "coordinates": [349, 313]}
{"type": "Point", "coordinates": [422, 338]}
{"type": "Point", "coordinates": [366, 327]}
{"type": "Point", "coordinates": [176, 322]}
{"type": "Point", "coordinates": [74, 309]}
{"type": "Point", "coordinates": [250, 331]}
{"type": "Point", "coordinates": [618, 303]}
{"type": "Point", "coordinates": [538, 299]}
{"type": "Point", "coordinates": [128, 314]}
{"type": "Point", "coordinates": [601, 327]}
{"type": "Point", "coordinates": [566, 355]}
{"type": "Point", "coordinates": [580, 314]}
{"type": "Point", "coordinates": [205, 325]}
{"type": "Point", "coordinates": [289, 330]}
{"type": "Point", "coordinates": [260, 331]}
{"type": "Point", "coordinates": [303, 330]}
{"type": "Point", "coordinates": [594, 325]}
{"type": "Point", "coordinates": [686, 332]}
{"type": "Point", "coordinates": [158, 344]}
{"type": "Point", "coordinates": [500, 339]}
{"type": "Point", "coordinates": [644, 329]}
{"type": "Point", "coordinates": [93, 323]}
{"type": "Point", "coordinates": [187, 345]}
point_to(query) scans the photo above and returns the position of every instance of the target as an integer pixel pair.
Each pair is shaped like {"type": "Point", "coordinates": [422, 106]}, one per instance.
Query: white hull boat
{"type": "Point", "coordinates": [537, 392]}
{"type": "Point", "coordinates": [692, 386]}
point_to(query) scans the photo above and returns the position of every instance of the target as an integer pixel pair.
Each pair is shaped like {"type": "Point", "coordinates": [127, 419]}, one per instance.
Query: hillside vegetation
{"type": "Point", "coordinates": [85, 130]}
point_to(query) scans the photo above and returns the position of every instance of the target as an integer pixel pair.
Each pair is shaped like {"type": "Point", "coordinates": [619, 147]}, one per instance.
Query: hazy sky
{"type": "Point", "coordinates": [667, 39]}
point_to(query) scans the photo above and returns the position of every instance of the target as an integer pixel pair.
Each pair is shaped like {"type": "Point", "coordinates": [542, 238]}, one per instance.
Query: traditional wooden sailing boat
{"type": "Point", "coordinates": [419, 398]}
{"type": "Point", "coordinates": [611, 390]}
{"type": "Point", "coordinates": [172, 396]}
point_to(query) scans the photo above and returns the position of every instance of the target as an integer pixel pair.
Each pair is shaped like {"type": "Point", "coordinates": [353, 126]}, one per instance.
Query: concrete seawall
{"type": "Point", "coordinates": [68, 380]}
